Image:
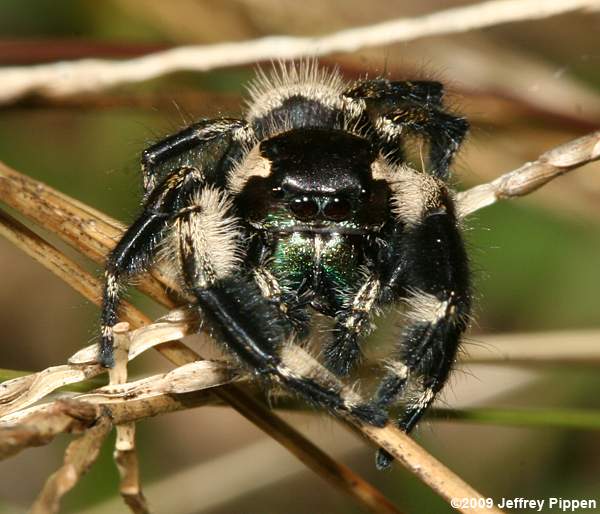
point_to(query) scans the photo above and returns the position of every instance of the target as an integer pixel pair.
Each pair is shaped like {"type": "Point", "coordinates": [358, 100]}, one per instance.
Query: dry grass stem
{"type": "Point", "coordinates": [127, 464]}
{"type": "Point", "coordinates": [125, 455]}
{"type": "Point", "coordinates": [21, 392]}
{"type": "Point", "coordinates": [54, 260]}
{"type": "Point", "coordinates": [431, 471]}
{"type": "Point", "coordinates": [532, 175]}
{"type": "Point", "coordinates": [79, 456]}
{"type": "Point", "coordinates": [572, 347]}
{"type": "Point", "coordinates": [40, 427]}
{"type": "Point", "coordinates": [426, 467]}
{"type": "Point", "coordinates": [189, 378]}
{"type": "Point", "coordinates": [86, 229]}
{"type": "Point", "coordinates": [88, 75]}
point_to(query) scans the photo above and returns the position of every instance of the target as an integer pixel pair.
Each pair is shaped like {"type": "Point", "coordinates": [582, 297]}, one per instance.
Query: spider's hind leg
{"type": "Point", "coordinates": [395, 108]}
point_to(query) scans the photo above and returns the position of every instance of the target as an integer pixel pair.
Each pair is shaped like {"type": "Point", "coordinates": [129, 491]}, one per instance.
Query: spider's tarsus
{"type": "Point", "coordinates": [383, 459]}
{"type": "Point", "coordinates": [342, 355]}
{"type": "Point", "coordinates": [106, 357]}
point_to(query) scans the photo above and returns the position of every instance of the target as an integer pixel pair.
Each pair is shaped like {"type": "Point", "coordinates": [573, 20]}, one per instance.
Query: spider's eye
{"type": "Point", "coordinates": [337, 209]}
{"type": "Point", "coordinates": [304, 207]}
{"type": "Point", "coordinates": [278, 193]}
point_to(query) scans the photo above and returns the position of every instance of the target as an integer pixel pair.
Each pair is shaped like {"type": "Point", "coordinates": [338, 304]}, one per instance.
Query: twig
{"type": "Point", "coordinates": [337, 474]}
{"type": "Point", "coordinates": [53, 210]}
{"type": "Point", "coordinates": [130, 489]}
{"type": "Point", "coordinates": [80, 455]}
{"type": "Point", "coordinates": [431, 471]}
{"type": "Point", "coordinates": [426, 467]}
{"type": "Point", "coordinates": [67, 78]}
{"type": "Point", "coordinates": [67, 270]}
{"type": "Point", "coordinates": [572, 347]}
{"type": "Point", "coordinates": [533, 175]}
{"type": "Point", "coordinates": [40, 427]}
{"type": "Point", "coordinates": [82, 227]}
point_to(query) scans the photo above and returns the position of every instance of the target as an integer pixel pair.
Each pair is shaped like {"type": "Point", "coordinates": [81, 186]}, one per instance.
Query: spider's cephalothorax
{"type": "Point", "coordinates": [307, 204]}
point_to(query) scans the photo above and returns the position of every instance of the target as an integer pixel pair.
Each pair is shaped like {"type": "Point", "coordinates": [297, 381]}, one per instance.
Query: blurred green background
{"type": "Point", "coordinates": [526, 87]}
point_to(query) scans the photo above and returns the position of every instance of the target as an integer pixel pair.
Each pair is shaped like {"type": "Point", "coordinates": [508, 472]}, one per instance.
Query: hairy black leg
{"type": "Point", "coordinates": [289, 303]}
{"type": "Point", "coordinates": [395, 108]}
{"type": "Point", "coordinates": [204, 144]}
{"type": "Point", "coordinates": [256, 332]}
{"type": "Point", "coordinates": [443, 131]}
{"type": "Point", "coordinates": [343, 352]}
{"type": "Point", "coordinates": [433, 277]}
{"type": "Point", "coordinates": [134, 252]}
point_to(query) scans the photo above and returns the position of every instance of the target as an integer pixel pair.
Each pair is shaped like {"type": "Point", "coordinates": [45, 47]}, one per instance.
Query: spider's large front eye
{"type": "Point", "coordinates": [337, 209]}
{"type": "Point", "coordinates": [304, 207]}
{"type": "Point", "coordinates": [278, 193]}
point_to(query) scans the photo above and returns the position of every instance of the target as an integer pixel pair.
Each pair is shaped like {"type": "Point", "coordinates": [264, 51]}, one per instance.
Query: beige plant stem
{"type": "Point", "coordinates": [41, 425]}
{"type": "Point", "coordinates": [153, 400]}
{"type": "Point", "coordinates": [87, 75]}
{"type": "Point", "coordinates": [532, 175]}
{"type": "Point", "coordinates": [124, 454]}
{"type": "Point", "coordinates": [80, 455]}
{"type": "Point", "coordinates": [84, 228]}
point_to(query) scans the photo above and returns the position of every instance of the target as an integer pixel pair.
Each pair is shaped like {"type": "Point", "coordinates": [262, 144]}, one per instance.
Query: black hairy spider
{"type": "Point", "coordinates": [307, 204]}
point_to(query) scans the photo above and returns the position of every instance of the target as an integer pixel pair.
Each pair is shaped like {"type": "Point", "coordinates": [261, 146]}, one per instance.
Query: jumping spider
{"type": "Point", "coordinates": [307, 204]}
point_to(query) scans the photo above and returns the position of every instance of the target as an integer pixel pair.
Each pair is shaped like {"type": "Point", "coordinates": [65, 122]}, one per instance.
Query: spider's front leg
{"type": "Point", "coordinates": [251, 326]}
{"type": "Point", "coordinates": [208, 144]}
{"type": "Point", "coordinates": [172, 169]}
{"type": "Point", "coordinates": [428, 268]}
{"type": "Point", "coordinates": [135, 251]}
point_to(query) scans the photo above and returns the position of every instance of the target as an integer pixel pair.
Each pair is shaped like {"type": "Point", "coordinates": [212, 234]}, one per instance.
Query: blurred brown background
{"type": "Point", "coordinates": [525, 86]}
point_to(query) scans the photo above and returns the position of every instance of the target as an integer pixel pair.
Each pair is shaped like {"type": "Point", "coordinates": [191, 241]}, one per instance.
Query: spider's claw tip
{"type": "Point", "coordinates": [106, 358]}
{"type": "Point", "coordinates": [383, 460]}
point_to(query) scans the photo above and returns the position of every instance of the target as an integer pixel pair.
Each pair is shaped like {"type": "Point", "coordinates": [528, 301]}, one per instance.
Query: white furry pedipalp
{"type": "Point", "coordinates": [207, 233]}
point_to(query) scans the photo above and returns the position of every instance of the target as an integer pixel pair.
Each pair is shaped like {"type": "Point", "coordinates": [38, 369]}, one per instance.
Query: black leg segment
{"type": "Point", "coordinates": [394, 109]}
{"type": "Point", "coordinates": [207, 145]}
{"type": "Point", "coordinates": [135, 251]}
{"type": "Point", "coordinates": [432, 276]}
